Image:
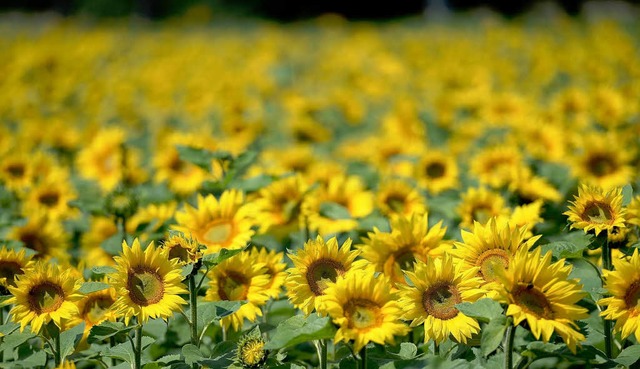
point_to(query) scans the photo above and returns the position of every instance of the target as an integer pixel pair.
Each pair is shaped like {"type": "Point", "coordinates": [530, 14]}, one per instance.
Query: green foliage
{"type": "Point", "coordinates": [299, 329]}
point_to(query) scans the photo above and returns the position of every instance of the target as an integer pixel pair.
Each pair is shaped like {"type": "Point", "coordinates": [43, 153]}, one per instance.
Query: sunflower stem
{"type": "Point", "coordinates": [322, 353]}
{"type": "Point", "coordinates": [56, 352]}
{"type": "Point", "coordinates": [138, 349]}
{"type": "Point", "coordinates": [363, 357]}
{"type": "Point", "coordinates": [606, 265]}
{"type": "Point", "coordinates": [508, 349]}
{"type": "Point", "coordinates": [224, 333]}
{"type": "Point", "coordinates": [112, 342]}
{"type": "Point", "coordinates": [436, 348]}
{"type": "Point", "coordinates": [193, 295]}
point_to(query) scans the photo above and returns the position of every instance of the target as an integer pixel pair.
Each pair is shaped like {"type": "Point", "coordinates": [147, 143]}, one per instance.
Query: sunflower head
{"type": "Point", "coordinates": [121, 202]}
{"type": "Point", "coordinates": [182, 248]}
{"type": "Point", "coordinates": [397, 197]}
{"type": "Point", "coordinates": [596, 210]}
{"type": "Point", "coordinates": [148, 284]}
{"type": "Point", "coordinates": [251, 353]}
{"type": "Point", "coordinates": [96, 307]}
{"type": "Point", "coordinates": [480, 205]}
{"type": "Point", "coordinates": [44, 293]}
{"type": "Point", "coordinates": [12, 264]}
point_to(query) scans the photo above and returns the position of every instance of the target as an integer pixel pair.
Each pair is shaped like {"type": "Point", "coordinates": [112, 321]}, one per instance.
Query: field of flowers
{"type": "Point", "coordinates": [319, 194]}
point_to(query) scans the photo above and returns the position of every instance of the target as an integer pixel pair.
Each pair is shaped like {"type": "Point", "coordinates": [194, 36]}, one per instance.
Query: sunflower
{"type": "Point", "coordinates": [17, 171]}
{"type": "Point", "coordinates": [410, 239]}
{"type": "Point", "coordinates": [364, 308]}
{"type": "Point", "coordinates": [633, 211]}
{"type": "Point", "coordinates": [45, 292]}
{"type": "Point", "coordinates": [527, 216]}
{"type": "Point", "coordinates": [275, 269]}
{"type": "Point", "coordinates": [12, 264]}
{"type": "Point", "coordinates": [66, 365]}
{"type": "Point", "coordinates": [46, 237]}
{"type": "Point", "coordinates": [491, 247]}
{"type": "Point", "coordinates": [279, 204]}
{"type": "Point", "coordinates": [541, 293]}
{"type": "Point", "coordinates": [479, 205]}
{"type": "Point", "coordinates": [601, 163]}
{"type": "Point", "coordinates": [596, 210]}
{"type": "Point", "coordinates": [495, 166]}
{"type": "Point", "coordinates": [437, 171]}
{"type": "Point", "coordinates": [240, 278]}
{"type": "Point", "coordinates": [530, 187]}
{"type": "Point", "coordinates": [397, 197]}
{"type": "Point", "coordinates": [95, 308]}
{"type": "Point", "coordinates": [51, 196]}
{"type": "Point", "coordinates": [623, 306]}
{"type": "Point", "coordinates": [182, 248]}
{"type": "Point", "coordinates": [147, 283]}
{"type": "Point", "coordinates": [436, 287]}
{"type": "Point", "coordinates": [152, 217]}
{"type": "Point", "coordinates": [223, 223]}
{"type": "Point", "coordinates": [102, 158]}
{"type": "Point", "coordinates": [318, 263]}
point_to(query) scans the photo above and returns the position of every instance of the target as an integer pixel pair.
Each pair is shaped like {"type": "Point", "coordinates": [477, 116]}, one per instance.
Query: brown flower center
{"type": "Point", "coordinates": [632, 295]}
{"type": "Point", "coordinates": [396, 202]}
{"type": "Point", "coordinates": [491, 262]}
{"type": "Point", "coordinates": [35, 241]}
{"type": "Point", "coordinates": [45, 297]}
{"type": "Point", "coordinates": [532, 300]}
{"type": "Point", "coordinates": [601, 165]}
{"type": "Point", "coordinates": [435, 170]}
{"type": "Point", "coordinates": [322, 271]}
{"type": "Point", "coordinates": [363, 314]}
{"type": "Point", "coordinates": [16, 170]}
{"type": "Point", "coordinates": [9, 270]}
{"type": "Point", "coordinates": [440, 300]}
{"type": "Point", "coordinates": [176, 251]}
{"type": "Point", "coordinates": [49, 198]}
{"type": "Point", "coordinates": [145, 285]}
{"type": "Point", "coordinates": [233, 286]}
{"type": "Point", "coordinates": [597, 212]}
{"type": "Point", "coordinates": [95, 308]}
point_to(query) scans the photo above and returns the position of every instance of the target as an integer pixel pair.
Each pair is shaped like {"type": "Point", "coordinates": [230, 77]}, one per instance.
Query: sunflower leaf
{"type": "Point", "coordinates": [628, 356]}
{"type": "Point", "coordinates": [107, 329]}
{"type": "Point", "coordinates": [209, 312]}
{"type": "Point", "coordinates": [211, 260]}
{"type": "Point", "coordinates": [191, 354]}
{"type": "Point", "coordinates": [100, 270]}
{"type": "Point", "coordinates": [69, 339]}
{"type": "Point", "coordinates": [564, 249]}
{"type": "Point", "coordinates": [89, 287]}
{"type": "Point", "coordinates": [332, 210]}
{"type": "Point", "coordinates": [38, 359]}
{"type": "Point", "coordinates": [485, 309]}
{"type": "Point", "coordinates": [124, 351]}
{"type": "Point", "coordinates": [15, 339]}
{"type": "Point", "coordinates": [202, 157]}
{"type": "Point", "coordinates": [492, 335]}
{"type": "Point", "coordinates": [589, 277]}
{"type": "Point", "coordinates": [299, 329]}
{"type": "Point", "coordinates": [627, 194]}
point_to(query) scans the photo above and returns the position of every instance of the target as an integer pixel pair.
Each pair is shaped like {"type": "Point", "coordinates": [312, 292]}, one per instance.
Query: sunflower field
{"type": "Point", "coordinates": [410, 194]}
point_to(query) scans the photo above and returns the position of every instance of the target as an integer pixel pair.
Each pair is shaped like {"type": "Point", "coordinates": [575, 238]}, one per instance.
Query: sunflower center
{"type": "Point", "coordinates": [322, 271]}
{"type": "Point", "coordinates": [435, 170]}
{"type": "Point", "coordinates": [601, 165]}
{"type": "Point", "coordinates": [233, 286]}
{"type": "Point", "coordinates": [440, 300]}
{"type": "Point", "coordinates": [145, 286]}
{"type": "Point", "coordinates": [34, 241]}
{"type": "Point", "coordinates": [396, 202]}
{"type": "Point", "coordinates": [8, 270]}
{"type": "Point", "coordinates": [632, 295]}
{"type": "Point", "coordinates": [45, 297]}
{"type": "Point", "coordinates": [363, 314]}
{"type": "Point", "coordinates": [482, 213]}
{"type": "Point", "coordinates": [16, 170]}
{"type": "Point", "coordinates": [179, 252]}
{"type": "Point", "coordinates": [405, 259]}
{"type": "Point", "coordinates": [49, 198]}
{"type": "Point", "coordinates": [491, 262]}
{"type": "Point", "coordinates": [219, 231]}
{"type": "Point", "coordinates": [597, 212]}
{"type": "Point", "coordinates": [532, 300]}
{"type": "Point", "coordinates": [253, 352]}
{"type": "Point", "coordinates": [95, 309]}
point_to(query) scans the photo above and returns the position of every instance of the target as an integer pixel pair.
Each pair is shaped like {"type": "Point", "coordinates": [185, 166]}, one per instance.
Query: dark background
{"type": "Point", "coordinates": [283, 10]}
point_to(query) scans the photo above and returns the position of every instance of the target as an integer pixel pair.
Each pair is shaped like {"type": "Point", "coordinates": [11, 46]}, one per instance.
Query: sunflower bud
{"type": "Point", "coordinates": [251, 352]}
{"type": "Point", "coordinates": [122, 203]}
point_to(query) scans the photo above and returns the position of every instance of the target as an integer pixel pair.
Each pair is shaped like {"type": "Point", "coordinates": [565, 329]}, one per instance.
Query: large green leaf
{"type": "Point", "coordinates": [36, 360]}
{"type": "Point", "coordinates": [208, 312]}
{"type": "Point", "coordinates": [627, 194]}
{"type": "Point", "coordinates": [211, 260]}
{"type": "Point", "coordinates": [69, 339]}
{"type": "Point", "coordinates": [628, 356]}
{"type": "Point", "coordinates": [332, 210]}
{"type": "Point", "coordinates": [492, 335]}
{"type": "Point", "coordinates": [298, 329]}
{"type": "Point", "coordinates": [484, 309]}
{"type": "Point", "coordinates": [202, 157]}
{"type": "Point", "coordinates": [588, 276]}
{"type": "Point", "coordinates": [10, 342]}
{"type": "Point", "coordinates": [124, 351]}
{"type": "Point", "coordinates": [100, 270]}
{"type": "Point", "coordinates": [107, 329]}
{"type": "Point", "coordinates": [89, 287]}
{"type": "Point", "coordinates": [191, 354]}
{"type": "Point", "coordinates": [564, 249]}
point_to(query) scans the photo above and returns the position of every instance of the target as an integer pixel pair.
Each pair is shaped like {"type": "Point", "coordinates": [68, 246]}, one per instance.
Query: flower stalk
{"type": "Point", "coordinates": [508, 349]}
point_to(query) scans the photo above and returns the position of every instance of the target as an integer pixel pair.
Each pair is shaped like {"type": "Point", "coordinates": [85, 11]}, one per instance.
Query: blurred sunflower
{"type": "Point", "coordinates": [147, 283]}
{"type": "Point", "coordinates": [12, 264]}
{"type": "Point", "coordinates": [480, 205]}
{"type": "Point", "coordinates": [633, 211]}
{"type": "Point", "coordinates": [436, 287]}
{"type": "Point", "coordinates": [494, 166]}
{"type": "Point", "coordinates": [527, 216]}
{"type": "Point", "coordinates": [410, 240]}
{"type": "Point", "coordinates": [240, 278]}
{"type": "Point", "coordinates": [541, 293]}
{"type": "Point", "coordinates": [275, 269]}
{"type": "Point", "coordinates": [95, 308]}
{"type": "Point", "coordinates": [45, 292]}
{"type": "Point", "coordinates": [51, 196]}
{"type": "Point", "coordinates": [17, 171]}
{"type": "Point", "coordinates": [530, 187]}
{"type": "Point", "coordinates": [317, 264]}
{"type": "Point", "coordinates": [280, 204]}
{"type": "Point", "coordinates": [436, 171]}
{"type": "Point", "coordinates": [182, 248]}
{"type": "Point", "coordinates": [601, 163]}
{"type": "Point", "coordinates": [102, 158]}
{"type": "Point", "coordinates": [223, 223]}
{"type": "Point", "coordinates": [596, 210]}
{"type": "Point", "coordinates": [46, 237]}
{"type": "Point", "coordinates": [623, 306]}
{"type": "Point", "coordinates": [490, 248]}
{"type": "Point", "coordinates": [396, 197]}
{"type": "Point", "coordinates": [364, 308]}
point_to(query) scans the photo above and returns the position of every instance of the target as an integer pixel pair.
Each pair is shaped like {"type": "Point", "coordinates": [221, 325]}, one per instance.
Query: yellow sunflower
{"type": "Point", "coordinates": [633, 211]}
{"type": "Point", "coordinates": [12, 264]}
{"type": "Point", "coordinates": [152, 215]}
{"type": "Point", "coordinates": [46, 237]}
{"type": "Point", "coordinates": [437, 286]}
{"type": "Point", "coordinates": [480, 205]}
{"type": "Point", "coordinates": [280, 205]}
{"type": "Point", "coordinates": [530, 187]}
{"type": "Point", "coordinates": [66, 365]}
{"type": "Point", "coordinates": [410, 239]}
{"type": "Point", "coordinates": [623, 306]}
{"type": "Point", "coordinates": [397, 197]}
{"type": "Point", "coordinates": [275, 269]}
{"type": "Point", "coordinates": [491, 247]}
{"type": "Point", "coordinates": [17, 171]}
{"type": "Point", "coordinates": [437, 171]}
{"type": "Point", "coordinates": [594, 209]}
{"type": "Point", "coordinates": [364, 308]}
{"type": "Point", "coordinates": [601, 163]}
{"type": "Point", "coordinates": [541, 293]}
{"type": "Point", "coordinates": [495, 166]}
{"type": "Point", "coordinates": [223, 223]}
{"type": "Point", "coordinates": [182, 248]}
{"type": "Point", "coordinates": [240, 278]}
{"type": "Point", "coordinates": [51, 196]}
{"type": "Point", "coordinates": [95, 308]}
{"type": "Point", "coordinates": [102, 158]}
{"type": "Point", "coordinates": [527, 216]}
{"type": "Point", "coordinates": [318, 263]}
{"type": "Point", "coordinates": [45, 292]}
{"type": "Point", "coordinates": [148, 284]}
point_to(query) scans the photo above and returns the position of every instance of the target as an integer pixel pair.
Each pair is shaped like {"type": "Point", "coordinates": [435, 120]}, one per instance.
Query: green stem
{"type": "Point", "coordinates": [436, 348]}
{"type": "Point", "coordinates": [606, 265]}
{"type": "Point", "coordinates": [508, 350]}
{"type": "Point", "coordinates": [56, 352]}
{"type": "Point", "coordinates": [112, 342]}
{"type": "Point", "coordinates": [138, 348]}
{"type": "Point", "coordinates": [193, 295]}
{"type": "Point", "coordinates": [363, 357]}
{"type": "Point", "coordinates": [224, 333]}
{"type": "Point", "coordinates": [322, 353]}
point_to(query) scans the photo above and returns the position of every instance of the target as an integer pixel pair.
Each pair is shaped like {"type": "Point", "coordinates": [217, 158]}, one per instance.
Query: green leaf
{"type": "Point", "coordinates": [628, 356]}
{"type": "Point", "coordinates": [107, 329]}
{"type": "Point", "coordinates": [563, 249]}
{"type": "Point", "coordinates": [124, 351]}
{"type": "Point", "coordinates": [252, 184]}
{"type": "Point", "coordinates": [10, 342]}
{"type": "Point", "coordinates": [191, 354]}
{"type": "Point", "coordinates": [332, 210]}
{"type": "Point", "coordinates": [211, 260]}
{"type": "Point", "coordinates": [88, 287]}
{"type": "Point", "coordinates": [299, 329]}
{"type": "Point", "coordinates": [69, 339]}
{"type": "Point", "coordinates": [240, 164]}
{"type": "Point", "coordinates": [492, 335]}
{"type": "Point", "coordinates": [407, 351]}
{"type": "Point", "coordinates": [186, 270]}
{"type": "Point", "coordinates": [209, 312]}
{"type": "Point", "coordinates": [38, 359]}
{"type": "Point", "coordinates": [202, 157]}
{"type": "Point", "coordinates": [100, 270]}
{"type": "Point", "coordinates": [588, 276]}
{"type": "Point", "coordinates": [484, 309]}
{"type": "Point", "coordinates": [627, 194]}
